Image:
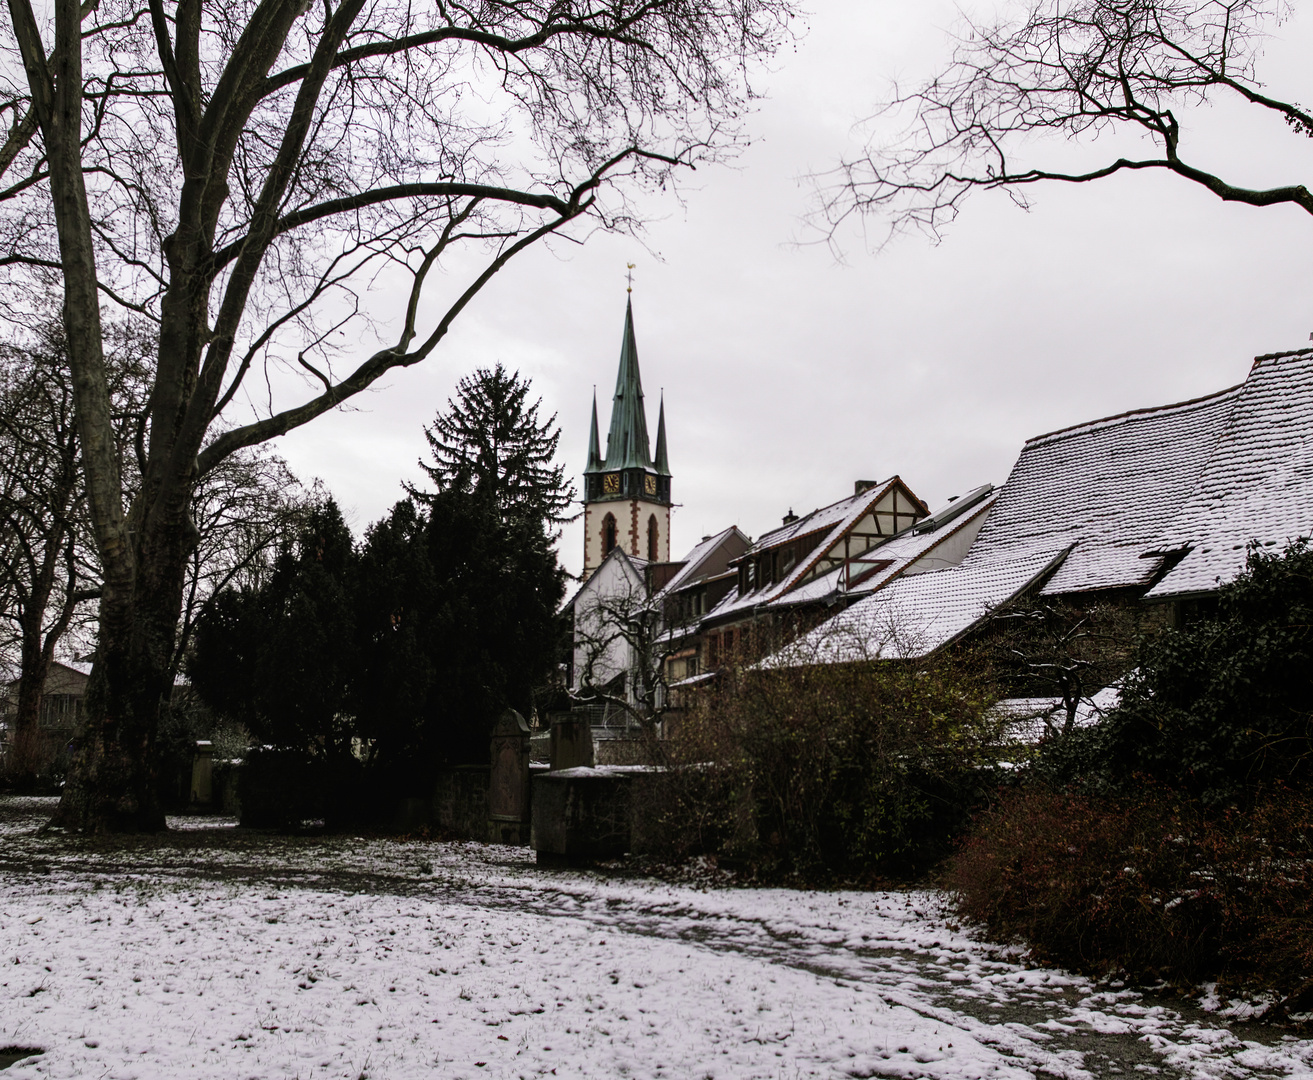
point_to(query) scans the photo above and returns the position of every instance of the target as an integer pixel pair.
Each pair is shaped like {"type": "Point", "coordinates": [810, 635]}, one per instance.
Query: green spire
{"type": "Point", "coordinates": [662, 462]}
{"type": "Point", "coordinates": [594, 449]}
{"type": "Point", "coordinates": [627, 445]}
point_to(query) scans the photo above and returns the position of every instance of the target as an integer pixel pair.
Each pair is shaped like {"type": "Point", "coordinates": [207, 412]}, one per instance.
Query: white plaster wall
{"type": "Point", "coordinates": [616, 586]}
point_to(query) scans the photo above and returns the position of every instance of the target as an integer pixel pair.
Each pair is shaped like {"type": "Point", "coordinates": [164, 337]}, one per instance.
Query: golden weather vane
{"type": "Point", "coordinates": [631, 278]}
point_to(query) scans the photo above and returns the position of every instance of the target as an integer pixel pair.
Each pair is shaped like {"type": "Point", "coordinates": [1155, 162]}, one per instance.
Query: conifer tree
{"type": "Point", "coordinates": [489, 442]}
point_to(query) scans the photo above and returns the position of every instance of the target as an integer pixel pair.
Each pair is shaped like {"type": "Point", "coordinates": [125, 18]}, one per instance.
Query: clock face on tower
{"type": "Point", "coordinates": [649, 484]}
{"type": "Point", "coordinates": [611, 483]}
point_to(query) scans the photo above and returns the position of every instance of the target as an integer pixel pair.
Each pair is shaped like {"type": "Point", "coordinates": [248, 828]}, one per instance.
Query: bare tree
{"type": "Point", "coordinates": [48, 566]}
{"type": "Point", "coordinates": [242, 509]}
{"type": "Point", "coordinates": [240, 171]}
{"type": "Point", "coordinates": [1065, 649]}
{"type": "Point", "coordinates": [620, 648]}
{"type": "Point", "coordinates": [49, 570]}
{"type": "Point", "coordinates": [1073, 68]}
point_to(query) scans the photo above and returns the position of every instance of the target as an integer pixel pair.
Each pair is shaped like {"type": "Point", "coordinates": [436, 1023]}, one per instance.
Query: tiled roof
{"type": "Point", "coordinates": [1024, 718]}
{"type": "Point", "coordinates": [914, 616]}
{"type": "Point", "coordinates": [827, 517]}
{"type": "Point", "coordinates": [1257, 483]}
{"type": "Point", "coordinates": [835, 519]}
{"type": "Point", "coordinates": [693, 561]}
{"type": "Point", "coordinates": [1108, 486]}
{"type": "Point", "coordinates": [888, 561]}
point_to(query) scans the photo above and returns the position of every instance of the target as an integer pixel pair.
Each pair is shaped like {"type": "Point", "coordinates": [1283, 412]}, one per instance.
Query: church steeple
{"type": "Point", "coordinates": [627, 499]}
{"type": "Point", "coordinates": [627, 445]}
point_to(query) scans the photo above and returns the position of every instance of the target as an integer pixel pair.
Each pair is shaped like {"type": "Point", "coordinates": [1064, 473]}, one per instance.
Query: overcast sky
{"type": "Point", "coordinates": [788, 374]}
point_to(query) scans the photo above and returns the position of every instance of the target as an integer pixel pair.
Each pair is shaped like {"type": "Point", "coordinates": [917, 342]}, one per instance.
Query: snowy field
{"type": "Point", "coordinates": [217, 953]}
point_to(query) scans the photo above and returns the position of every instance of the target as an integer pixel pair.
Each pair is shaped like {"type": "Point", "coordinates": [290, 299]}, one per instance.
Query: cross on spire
{"type": "Point", "coordinates": [630, 276]}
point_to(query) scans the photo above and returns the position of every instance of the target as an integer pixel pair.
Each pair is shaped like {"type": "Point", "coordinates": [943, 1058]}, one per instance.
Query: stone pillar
{"type": "Point", "coordinates": [572, 741]}
{"type": "Point", "coordinates": [508, 783]}
{"type": "Point", "coordinates": [202, 773]}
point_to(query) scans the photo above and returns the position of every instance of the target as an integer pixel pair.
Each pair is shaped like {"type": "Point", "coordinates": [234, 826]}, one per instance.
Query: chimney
{"type": "Point", "coordinates": [790, 517]}
{"type": "Point", "coordinates": [863, 485]}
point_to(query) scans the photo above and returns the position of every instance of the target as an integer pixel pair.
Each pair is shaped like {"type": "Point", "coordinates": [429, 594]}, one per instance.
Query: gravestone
{"type": "Point", "coordinates": [202, 773]}
{"type": "Point", "coordinates": [508, 783]}
{"type": "Point", "coordinates": [572, 741]}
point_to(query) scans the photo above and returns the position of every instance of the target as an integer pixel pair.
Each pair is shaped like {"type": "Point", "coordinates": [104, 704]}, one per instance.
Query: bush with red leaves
{"type": "Point", "coordinates": [1151, 885]}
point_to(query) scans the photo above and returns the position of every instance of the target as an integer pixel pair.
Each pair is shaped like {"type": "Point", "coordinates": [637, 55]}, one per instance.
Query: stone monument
{"type": "Point", "coordinates": [508, 782]}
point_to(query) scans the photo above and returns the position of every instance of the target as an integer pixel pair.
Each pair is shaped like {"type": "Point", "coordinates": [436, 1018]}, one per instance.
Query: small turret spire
{"type": "Point", "coordinates": [662, 462]}
{"type": "Point", "coordinates": [594, 447]}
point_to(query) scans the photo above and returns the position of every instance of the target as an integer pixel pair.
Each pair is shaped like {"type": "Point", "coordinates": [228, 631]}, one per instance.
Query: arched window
{"type": "Point", "coordinates": [608, 534]}
{"type": "Point", "coordinates": [653, 540]}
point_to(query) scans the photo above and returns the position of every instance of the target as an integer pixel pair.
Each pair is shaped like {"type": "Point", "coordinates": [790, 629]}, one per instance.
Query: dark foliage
{"type": "Point", "coordinates": [280, 659]}
{"type": "Point", "coordinates": [1152, 885]}
{"type": "Point", "coordinates": [397, 656]}
{"type": "Point", "coordinates": [396, 597]}
{"type": "Point", "coordinates": [824, 773]}
{"type": "Point", "coordinates": [1226, 704]}
{"type": "Point", "coordinates": [1175, 840]}
{"type": "Point", "coordinates": [496, 629]}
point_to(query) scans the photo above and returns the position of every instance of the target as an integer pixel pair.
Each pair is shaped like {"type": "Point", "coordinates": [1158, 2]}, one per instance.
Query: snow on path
{"type": "Point", "coordinates": [230, 955]}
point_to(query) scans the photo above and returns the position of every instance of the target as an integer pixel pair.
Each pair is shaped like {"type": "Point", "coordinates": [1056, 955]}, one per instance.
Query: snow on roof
{"type": "Point", "coordinates": [827, 517]}
{"type": "Point", "coordinates": [1028, 720]}
{"type": "Point", "coordinates": [835, 519]}
{"type": "Point", "coordinates": [636, 566]}
{"type": "Point", "coordinates": [914, 616]}
{"type": "Point", "coordinates": [874, 569]}
{"type": "Point", "coordinates": [1256, 485]}
{"type": "Point", "coordinates": [694, 560]}
{"type": "Point", "coordinates": [82, 667]}
{"type": "Point", "coordinates": [1110, 485]}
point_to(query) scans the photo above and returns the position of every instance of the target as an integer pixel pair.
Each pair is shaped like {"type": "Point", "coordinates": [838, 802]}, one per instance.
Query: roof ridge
{"type": "Point", "coordinates": [845, 524]}
{"type": "Point", "coordinates": [1129, 414]}
{"type": "Point", "coordinates": [1280, 355]}
{"type": "Point", "coordinates": [803, 518]}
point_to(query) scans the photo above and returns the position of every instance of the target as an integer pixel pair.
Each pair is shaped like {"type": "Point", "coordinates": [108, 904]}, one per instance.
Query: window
{"type": "Point", "coordinates": [653, 538]}
{"type": "Point", "coordinates": [608, 534]}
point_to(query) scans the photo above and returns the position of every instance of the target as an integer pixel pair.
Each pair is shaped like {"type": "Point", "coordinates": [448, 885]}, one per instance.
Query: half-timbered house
{"type": "Point", "coordinates": [1153, 509]}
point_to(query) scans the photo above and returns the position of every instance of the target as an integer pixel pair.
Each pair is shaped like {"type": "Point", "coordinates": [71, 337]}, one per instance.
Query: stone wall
{"type": "Point", "coordinates": [459, 804]}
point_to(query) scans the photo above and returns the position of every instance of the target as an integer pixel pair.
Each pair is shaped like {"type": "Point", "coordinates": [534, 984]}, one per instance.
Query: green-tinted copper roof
{"type": "Point", "coordinates": [662, 462]}
{"type": "Point", "coordinates": [594, 449]}
{"type": "Point", "coordinates": [627, 445]}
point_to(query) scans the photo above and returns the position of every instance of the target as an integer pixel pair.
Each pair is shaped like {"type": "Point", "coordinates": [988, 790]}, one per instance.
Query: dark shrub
{"type": "Point", "coordinates": [819, 772]}
{"type": "Point", "coordinates": [1151, 885]}
{"type": "Point", "coordinates": [1225, 705]}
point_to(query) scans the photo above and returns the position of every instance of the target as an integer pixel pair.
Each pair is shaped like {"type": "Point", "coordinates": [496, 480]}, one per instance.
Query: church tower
{"type": "Point", "coordinates": [627, 493]}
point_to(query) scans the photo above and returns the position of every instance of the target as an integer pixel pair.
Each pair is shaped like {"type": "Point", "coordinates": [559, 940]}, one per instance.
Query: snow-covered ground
{"type": "Point", "coordinates": [216, 953]}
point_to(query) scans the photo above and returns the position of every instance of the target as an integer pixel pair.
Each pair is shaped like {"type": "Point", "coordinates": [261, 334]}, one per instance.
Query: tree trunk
{"type": "Point", "coordinates": [25, 753]}
{"type": "Point", "coordinates": [25, 747]}
{"type": "Point", "coordinates": [113, 782]}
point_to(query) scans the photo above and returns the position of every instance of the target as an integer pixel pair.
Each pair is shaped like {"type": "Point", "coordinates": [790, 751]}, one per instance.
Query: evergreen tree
{"type": "Point", "coordinates": [496, 627]}
{"type": "Point", "coordinates": [396, 597]}
{"type": "Point", "coordinates": [281, 659]}
{"type": "Point", "coordinates": [489, 441]}
{"type": "Point", "coordinates": [1220, 708]}
{"type": "Point", "coordinates": [1226, 704]}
